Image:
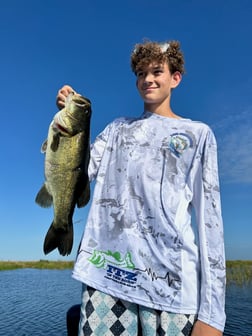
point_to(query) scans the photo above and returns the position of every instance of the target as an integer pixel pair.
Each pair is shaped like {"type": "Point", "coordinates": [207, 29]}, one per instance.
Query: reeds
{"type": "Point", "coordinates": [239, 272]}
{"type": "Point", "coordinates": [41, 264]}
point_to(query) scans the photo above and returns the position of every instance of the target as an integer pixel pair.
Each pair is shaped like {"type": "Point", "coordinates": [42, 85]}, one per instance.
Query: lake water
{"type": "Point", "coordinates": [35, 302]}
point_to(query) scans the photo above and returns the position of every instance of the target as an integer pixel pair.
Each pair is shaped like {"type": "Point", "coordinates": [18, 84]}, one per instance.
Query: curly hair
{"type": "Point", "coordinates": [148, 51]}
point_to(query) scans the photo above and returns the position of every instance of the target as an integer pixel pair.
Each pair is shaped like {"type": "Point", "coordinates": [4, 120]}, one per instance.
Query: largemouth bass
{"type": "Point", "coordinates": [67, 151]}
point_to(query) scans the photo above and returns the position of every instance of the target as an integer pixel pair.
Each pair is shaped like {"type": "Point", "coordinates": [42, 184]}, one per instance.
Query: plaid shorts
{"type": "Point", "coordinates": [102, 314]}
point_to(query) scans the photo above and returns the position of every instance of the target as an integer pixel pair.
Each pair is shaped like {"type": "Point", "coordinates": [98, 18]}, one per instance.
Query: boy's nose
{"type": "Point", "coordinates": [148, 77]}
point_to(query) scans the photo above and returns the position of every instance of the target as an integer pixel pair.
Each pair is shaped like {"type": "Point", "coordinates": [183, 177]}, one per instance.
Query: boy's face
{"type": "Point", "coordinates": [154, 82]}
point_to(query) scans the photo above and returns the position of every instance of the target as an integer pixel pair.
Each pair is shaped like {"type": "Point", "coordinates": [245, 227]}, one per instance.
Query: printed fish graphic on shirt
{"type": "Point", "coordinates": [101, 258]}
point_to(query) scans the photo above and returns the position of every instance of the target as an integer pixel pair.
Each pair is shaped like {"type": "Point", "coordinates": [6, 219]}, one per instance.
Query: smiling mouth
{"type": "Point", "coordinates": [149, 88]}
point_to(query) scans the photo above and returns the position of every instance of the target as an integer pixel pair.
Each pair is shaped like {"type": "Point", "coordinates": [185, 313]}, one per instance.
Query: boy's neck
{"type": "Point", "coordinates": [161, 110]}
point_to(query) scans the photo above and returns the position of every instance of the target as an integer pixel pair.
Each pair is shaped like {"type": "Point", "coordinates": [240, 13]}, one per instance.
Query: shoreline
{"type": "Point", "coordinates": [39, 264]}
{"type": "Point", "coordinates": [238, 271]}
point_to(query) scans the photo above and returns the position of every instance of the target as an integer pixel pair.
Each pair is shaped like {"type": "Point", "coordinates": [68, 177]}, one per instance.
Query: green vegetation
{"type": "Point", "coordinates": [41, 264]}
{"type": "Point", "coordinates": [238, 271]}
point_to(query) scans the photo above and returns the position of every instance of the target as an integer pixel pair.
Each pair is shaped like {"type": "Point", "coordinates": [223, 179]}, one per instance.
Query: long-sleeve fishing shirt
{"type": "Point", "coordinates": [140, 243]}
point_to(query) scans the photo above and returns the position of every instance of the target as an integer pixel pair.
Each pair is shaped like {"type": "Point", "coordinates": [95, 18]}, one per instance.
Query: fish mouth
{"type": "Point", "coordinates": [81, 101]}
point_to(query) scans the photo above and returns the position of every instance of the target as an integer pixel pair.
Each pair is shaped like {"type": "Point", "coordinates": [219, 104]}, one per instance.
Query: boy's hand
{"type": "Point", "coordinates": [202, 329]}
{"type": "Point", "coordinates": [62, 94]}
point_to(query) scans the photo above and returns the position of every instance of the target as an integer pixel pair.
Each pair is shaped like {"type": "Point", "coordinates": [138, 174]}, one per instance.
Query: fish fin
{"type": "Point", "coordinates": [44, 146]}
{"type": "Point", "coordinates": [55, 142]}
{"type": "Point", "coordinates": [59, 238]}
{"type": "Point", "coordinates": [44, 198]}
{"type": "Point", "coordinates": [84, 197]}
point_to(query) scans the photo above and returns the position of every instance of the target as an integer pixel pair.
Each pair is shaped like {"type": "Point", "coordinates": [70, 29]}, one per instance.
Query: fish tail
{"type": "Point", "coordinates": [59, 238]}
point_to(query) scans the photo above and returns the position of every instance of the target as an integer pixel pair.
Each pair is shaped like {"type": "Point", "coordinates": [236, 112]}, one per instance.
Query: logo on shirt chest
{"type": "Point", "coordinates": [121, 276]}
{"type": "Point", "coordinates": [179, 143]}
{"type": "Point", "coordinates": [112, 263]}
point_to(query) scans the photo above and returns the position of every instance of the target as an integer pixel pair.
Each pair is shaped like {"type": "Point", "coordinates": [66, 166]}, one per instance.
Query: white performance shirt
{"type": "Point", "coordinates": [140, 243]}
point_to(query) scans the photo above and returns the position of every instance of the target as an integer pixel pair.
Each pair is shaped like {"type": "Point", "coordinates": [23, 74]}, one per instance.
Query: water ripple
{"type": "Point", "coordinates": [239, 311]}
{"type": "Point", "coordinates": [35, 303]}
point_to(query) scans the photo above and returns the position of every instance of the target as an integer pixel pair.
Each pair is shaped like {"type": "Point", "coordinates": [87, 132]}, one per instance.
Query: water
{"type": "Point", "coordinates": [239, 311]}
{"type": "Point", "coordinates": [35, 302]}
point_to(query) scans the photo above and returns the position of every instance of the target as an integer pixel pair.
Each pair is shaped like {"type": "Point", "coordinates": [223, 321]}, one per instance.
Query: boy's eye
{"type": "Point", "coordinates": [140, 74]}
{"type": "Point", "coordinates": [158, 71]}
{"type": "Point", "coordinates": [155, 72]}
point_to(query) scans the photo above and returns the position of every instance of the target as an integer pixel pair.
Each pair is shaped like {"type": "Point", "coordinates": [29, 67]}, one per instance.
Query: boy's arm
{"type": "Point", "coordinates": [207, 206]}
{"type": "Point", "coordinates": [200, 328]}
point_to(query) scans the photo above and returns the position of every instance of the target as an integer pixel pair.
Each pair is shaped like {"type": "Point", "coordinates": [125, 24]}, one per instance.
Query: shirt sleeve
{"type": "Point", "coordinates": [97, 150]}
{"type": "Point", "coordinates": [207, 206]}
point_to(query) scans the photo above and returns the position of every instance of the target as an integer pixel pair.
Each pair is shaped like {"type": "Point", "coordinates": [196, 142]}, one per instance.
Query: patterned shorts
{"type": "Point", "coordinates": [102, 314]}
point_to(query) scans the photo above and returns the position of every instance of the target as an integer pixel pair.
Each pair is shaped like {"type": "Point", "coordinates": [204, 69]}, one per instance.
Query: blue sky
{"type": "Point", "coordinates": [48, 43]}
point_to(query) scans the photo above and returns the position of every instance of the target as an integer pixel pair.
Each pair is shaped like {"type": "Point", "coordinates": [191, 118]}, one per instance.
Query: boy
{"type": "Point", "coordinates": [147, 270]}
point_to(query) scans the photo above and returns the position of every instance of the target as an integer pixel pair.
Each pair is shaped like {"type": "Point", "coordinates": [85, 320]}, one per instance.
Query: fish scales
{"type": "Point", "coordinates": [67, 152]}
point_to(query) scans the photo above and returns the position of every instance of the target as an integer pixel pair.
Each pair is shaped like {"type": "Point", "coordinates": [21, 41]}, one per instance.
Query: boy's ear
{"type": "Point", "coordinates": [176, 79]}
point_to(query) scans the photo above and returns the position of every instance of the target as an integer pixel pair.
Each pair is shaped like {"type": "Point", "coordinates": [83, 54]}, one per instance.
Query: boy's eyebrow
{"type": "Point", "coordinates": [156, 66]}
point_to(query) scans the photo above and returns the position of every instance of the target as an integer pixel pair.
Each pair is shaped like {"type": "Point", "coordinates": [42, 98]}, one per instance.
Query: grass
{"type": "Point", "coordinates": [41, 264]}
{"type": "Point", "coordinates": [239, 272]}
